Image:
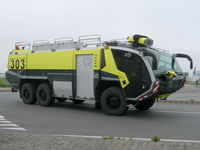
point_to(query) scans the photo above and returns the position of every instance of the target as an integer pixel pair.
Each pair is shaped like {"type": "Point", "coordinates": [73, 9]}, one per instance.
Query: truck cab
{"type": "Point", "coordinates": [168, 71]}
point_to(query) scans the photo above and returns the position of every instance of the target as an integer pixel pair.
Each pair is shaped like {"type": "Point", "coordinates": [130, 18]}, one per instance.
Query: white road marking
{"type": "Point", "coordinates": [130, 138]}
{"type": "Point", "coordinates": [21, 129]}
{"type": "Point", "coordinates": [178, 112]}
{"type": "Point", "coordinates": [4, 121]}
{"type": "Point", "coordinates": [8, 125]}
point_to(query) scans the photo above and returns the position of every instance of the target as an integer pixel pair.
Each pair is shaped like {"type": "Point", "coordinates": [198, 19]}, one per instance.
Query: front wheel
{"type": "Point", "coordinates": [44, 95]}
{"type": "Point", "coordinates": [113, 102]}
{"type": "Point", "coordinates": [146, 104]}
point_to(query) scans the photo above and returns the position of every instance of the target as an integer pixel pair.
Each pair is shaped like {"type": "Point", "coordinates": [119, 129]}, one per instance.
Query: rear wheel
{"type": "Point", "coordinates": [146, 104]}
{"type": "Point", "coordinates": [113, 102]}
{"type": "Point", "coordinates": [44, 95]}
{"type": "Point", "coordinates": [28, 93]}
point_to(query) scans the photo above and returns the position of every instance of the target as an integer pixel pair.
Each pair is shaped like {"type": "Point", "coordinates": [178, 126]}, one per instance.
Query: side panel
{"type": "Point", "coordinates": [50, 65]}
{"type": "Point", "coordinates": [17, 65]}
{"type": "Point", "coordinates": [17, 60]}
{"type": "Point", "coordinates": [84, 76]}
{"type": "Point", "coordinates": [58, 60]}
{"type": "Point", "coordinates": [62, 89]}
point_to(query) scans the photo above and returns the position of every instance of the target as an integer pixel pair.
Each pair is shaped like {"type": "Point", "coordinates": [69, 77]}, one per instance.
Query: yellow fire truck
{"type": "Point", "coordinates": [115, 73]}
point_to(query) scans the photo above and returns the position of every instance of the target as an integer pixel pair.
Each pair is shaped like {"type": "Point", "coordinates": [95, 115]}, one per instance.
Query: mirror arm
{"type": "Point", "coordinates": [154, 67]}
{"type": "Point", "coordinates": [185, 56]}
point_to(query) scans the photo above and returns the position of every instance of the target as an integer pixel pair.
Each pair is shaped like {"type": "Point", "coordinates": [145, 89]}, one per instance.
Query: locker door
{"type": "Point", "coordinates": [84, 76]}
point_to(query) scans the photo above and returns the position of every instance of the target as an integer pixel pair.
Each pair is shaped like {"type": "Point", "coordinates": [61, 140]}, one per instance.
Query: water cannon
{"type": "Point", "coordinates": [140, 41]}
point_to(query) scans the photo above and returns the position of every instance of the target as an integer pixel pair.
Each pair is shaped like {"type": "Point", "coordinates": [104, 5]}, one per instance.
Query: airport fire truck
{"type": "Point", "coordinates": [115, 74]}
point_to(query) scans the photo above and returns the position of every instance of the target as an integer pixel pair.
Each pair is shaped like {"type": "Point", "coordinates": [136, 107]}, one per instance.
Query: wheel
{"type": "Point", "coordinates": [61, 99]}
{"type": "Point", "coordinates": [146, 104]}
{"type": "Point", "coordinates": [44, 95]}
{"type": "Point", "coordinates": [75, 101]}
{"type": "Point", "coordinates": [28, 93]}
{"type": "Point", "coordinates": [113, 102]}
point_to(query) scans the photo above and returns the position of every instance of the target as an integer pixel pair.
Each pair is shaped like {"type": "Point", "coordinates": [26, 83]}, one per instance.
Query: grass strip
{"type": "Point", "coordinates": [4, 83]}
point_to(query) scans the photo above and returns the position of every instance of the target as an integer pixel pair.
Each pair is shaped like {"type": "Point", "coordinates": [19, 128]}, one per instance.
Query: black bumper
{"type": "Point", "coordinates": [171, 86]}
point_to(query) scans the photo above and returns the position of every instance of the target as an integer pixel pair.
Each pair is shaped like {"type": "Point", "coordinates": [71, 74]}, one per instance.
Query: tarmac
{"type": "Point", "coordinates": [187, 93]}
{"type": "Point", "coordinates": [27, 141]}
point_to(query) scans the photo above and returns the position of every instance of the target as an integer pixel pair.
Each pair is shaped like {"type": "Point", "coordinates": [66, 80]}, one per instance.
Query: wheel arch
{"type": "Point", "coordinates": [103, 85]}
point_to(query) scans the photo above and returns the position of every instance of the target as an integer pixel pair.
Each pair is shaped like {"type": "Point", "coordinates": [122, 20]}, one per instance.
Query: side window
{"type": "Point", "coordinates": [136, 71]}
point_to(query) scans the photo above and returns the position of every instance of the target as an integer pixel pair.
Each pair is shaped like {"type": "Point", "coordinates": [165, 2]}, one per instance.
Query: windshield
{"type": "Point", "coordinates": [164, 61]}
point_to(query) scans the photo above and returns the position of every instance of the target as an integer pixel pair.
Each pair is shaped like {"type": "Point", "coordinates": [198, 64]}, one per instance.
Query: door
{"type": "Point", "coordinates": [84, 77]}
{"type": "Point", "coordinates": [136, 72]}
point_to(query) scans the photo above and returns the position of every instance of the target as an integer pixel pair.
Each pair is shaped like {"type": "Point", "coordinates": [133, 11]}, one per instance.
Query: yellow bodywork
{"type": "Point", "coordinates": [171, 73]}
{"type": "Point", "coordinates": [112, 68]}
{"type": "Point", "coordinates": [141, 40]}
{"type": "Point", "coordinates": [162, 96]}
{"type": "Point", "coordinates": [63, 60]}
{"type": "Point", "coordinates": [18, 60]}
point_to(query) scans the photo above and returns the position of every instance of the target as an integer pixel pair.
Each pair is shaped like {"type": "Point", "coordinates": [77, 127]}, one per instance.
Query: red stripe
{"type": "Point", "coordinates": [157, 84]}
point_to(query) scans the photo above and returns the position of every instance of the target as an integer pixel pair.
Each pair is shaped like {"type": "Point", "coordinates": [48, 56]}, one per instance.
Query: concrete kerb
{"type": "Point", "coordinates": [71, 142]}
{"type": "Point", "coordinates": [192, 102]}
{"type": "Point", "coordinates": [5, 89]}
{"type": "Point", "coordinates": [126, 138]}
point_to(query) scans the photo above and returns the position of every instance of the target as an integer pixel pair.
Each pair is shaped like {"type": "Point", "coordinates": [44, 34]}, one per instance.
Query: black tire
{"type": "Point", "coordinates": [44, 95]}
{"type": "Point", "coordinates": [113, 102]}
{"type": "Point", "coordinates": [28, 93]}
{"type": "Point", "coordinates": [75, 101]}
{"type": "Point", "coordinates": [145, 105]}
{"type": "Point", "coordinates": [61, 99]}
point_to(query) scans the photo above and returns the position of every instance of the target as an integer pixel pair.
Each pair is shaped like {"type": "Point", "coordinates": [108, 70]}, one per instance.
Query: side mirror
{"type": "Point", "coordinates": [185, 56]}
{"type": "Point", "coordinates": [154, 64]}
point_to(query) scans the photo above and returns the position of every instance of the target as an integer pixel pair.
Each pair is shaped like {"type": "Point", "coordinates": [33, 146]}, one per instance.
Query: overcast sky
{"type": "Point", "coordinates": [172, 24]}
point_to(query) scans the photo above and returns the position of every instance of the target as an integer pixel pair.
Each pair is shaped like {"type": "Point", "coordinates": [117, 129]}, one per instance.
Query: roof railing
{"type": "Point", "coordinates": [40, 42]}
{"type": "Point", "coordinates": [22, 45]}
{"type": "Point", "coordinates": [63, 40]}
{"type": "Point", "coordinates": [88, 40]}
{"type": "Point", "coordinates": [163, 50]}
{"type": "Point", "coordinates": [61, 43]}
{"type": "Point", "coordinates": [119, 40]}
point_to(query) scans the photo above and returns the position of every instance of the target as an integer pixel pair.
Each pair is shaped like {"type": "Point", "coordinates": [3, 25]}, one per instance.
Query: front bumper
{"type": "Point", "coordinates": [172, 85]}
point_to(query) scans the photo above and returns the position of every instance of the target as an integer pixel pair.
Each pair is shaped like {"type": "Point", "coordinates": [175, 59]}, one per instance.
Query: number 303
{"type": "Point", "coordinates": [17, 64]}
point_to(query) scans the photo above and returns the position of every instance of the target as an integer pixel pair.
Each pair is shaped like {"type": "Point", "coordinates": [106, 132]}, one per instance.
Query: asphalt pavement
{"type": "Point", "coordinates": [168, 121]}
{"type": "Point", "coordinates": [187, 93]}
